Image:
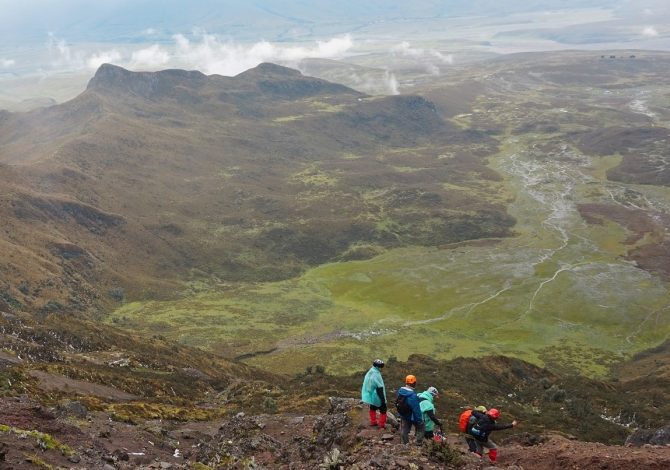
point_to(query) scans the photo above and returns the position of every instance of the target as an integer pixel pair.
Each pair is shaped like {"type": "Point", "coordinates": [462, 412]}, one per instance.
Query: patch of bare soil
{"type": "Point", "coordinates": [654, 258]}
{"type": "Point", "coordinates": [559, 452]}
{"type": "Point", "coordinates": [635, 221]}
{"type": "Point", "coordinates": [54, 382]}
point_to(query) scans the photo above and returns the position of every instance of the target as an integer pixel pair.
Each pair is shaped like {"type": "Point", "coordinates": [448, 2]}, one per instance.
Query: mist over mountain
{"type": "Point", "coordinates": [50, 50]}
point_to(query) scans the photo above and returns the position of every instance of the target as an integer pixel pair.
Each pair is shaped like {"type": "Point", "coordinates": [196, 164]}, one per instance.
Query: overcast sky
{"type": "Point", "coordinates": [228, 36]}
{"type": "Point", "coordinates": [26, 21]}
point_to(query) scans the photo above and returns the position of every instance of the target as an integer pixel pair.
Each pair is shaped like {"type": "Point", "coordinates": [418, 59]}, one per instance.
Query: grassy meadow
{"type": "Point", "coordinates": [559, 293]}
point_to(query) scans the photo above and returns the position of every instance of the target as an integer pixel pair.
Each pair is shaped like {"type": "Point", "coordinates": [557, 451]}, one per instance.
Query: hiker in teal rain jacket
{"type": "Point", "coordinates": [427, 405]}
{"type": "Point", "coordinates": [373, 392]}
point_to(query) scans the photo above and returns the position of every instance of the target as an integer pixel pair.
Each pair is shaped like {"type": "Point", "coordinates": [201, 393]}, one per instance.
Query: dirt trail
{"type": "Point", "coordinates": [559, 452]}
{"type": "Point", "coordinates": [52, 382]}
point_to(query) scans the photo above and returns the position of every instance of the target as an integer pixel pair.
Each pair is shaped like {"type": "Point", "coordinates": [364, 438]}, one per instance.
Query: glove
{"type": "Point", "coordinates": [383, 408]}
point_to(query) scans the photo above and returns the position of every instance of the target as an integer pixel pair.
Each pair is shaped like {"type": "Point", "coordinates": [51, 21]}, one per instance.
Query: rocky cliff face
{"type": "Point", "coordinates": [111, 79]}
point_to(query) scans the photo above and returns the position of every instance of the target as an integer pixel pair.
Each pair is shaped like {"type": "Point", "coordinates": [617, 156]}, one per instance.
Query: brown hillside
{"type": "Point", "coordinates": [147, 179]}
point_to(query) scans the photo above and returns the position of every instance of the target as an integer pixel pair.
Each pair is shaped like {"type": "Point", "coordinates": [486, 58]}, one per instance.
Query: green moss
{"type": "Point", "coordinates": [313, 176]}
{"type": "Point", "coordinates": [201, 466]}
{"type": "Point", "coordinates": [44, 441]}
{"type": "Point", "coordinates": [38, 462]}
{"type": "Point", "coordinates": [323, 107]}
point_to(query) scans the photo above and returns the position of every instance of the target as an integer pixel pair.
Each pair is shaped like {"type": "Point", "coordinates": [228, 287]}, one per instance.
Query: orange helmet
{"type": "Point", "coordinates": [410, 380]}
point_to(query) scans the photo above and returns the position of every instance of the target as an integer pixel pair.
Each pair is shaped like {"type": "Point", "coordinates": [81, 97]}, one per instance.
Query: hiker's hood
{"type": "Point", "coordinates": [427, 395]}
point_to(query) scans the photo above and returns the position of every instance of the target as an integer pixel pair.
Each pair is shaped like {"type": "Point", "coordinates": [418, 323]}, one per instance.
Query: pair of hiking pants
{"type": "Point", "coordinates": [471, 442]}
{"type": "Point", "coordinates": [488, 444]}
{"type": "Point", "coordinates": [406, 426]}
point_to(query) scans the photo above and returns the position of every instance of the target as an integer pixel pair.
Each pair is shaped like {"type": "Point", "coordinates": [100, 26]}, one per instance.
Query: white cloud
{"type": "Point", "coordinates": [392, 83]}
{"type": "Point", "coordinates": [649, 32]}
{"type": "Point", "coordinates": [104, 57]}
{"type": "Point", "coordinates": [212, 56]}
{"type": "Point", "coordinates": [374, 82]}
{"type": "Point", "coordinates": [205, 52]}
{"type": "Point", "coordinates": [153, 56]}
{"type": "Point", "coordinates": [405, 49]}
{"type": "Point", "coordinates": [61, 47]}
{"type": "Point", "coordinates": [6, 63]}
{"type": "Point", "coordinates": [60, 51]}
{"type": "Point", "coordinates": [648, 11]}
{"type": "Point", "coordinates": [428, 57]}
{"type": "Point", "coordinates": [149, 31]}
{"type": "Point", "coordinates": [334, 47]}
{"type": "Point", "coordinates": [63, 56]}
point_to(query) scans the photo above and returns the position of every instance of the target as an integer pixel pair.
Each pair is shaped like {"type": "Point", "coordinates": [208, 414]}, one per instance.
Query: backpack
{"type": "Point", "coordinates": [402, 406]}
{"type": "Point", "coordinates": [463, 420]}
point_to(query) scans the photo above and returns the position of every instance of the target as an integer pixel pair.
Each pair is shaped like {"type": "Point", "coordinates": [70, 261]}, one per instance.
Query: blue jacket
{"type": "Point", "coordinates": [372, 381]}
{"type": "Point", "coordinates": [413, 401]}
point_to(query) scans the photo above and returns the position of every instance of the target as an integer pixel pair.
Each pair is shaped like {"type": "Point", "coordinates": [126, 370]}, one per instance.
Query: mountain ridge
{"type": "Point", "coordinates": [266, 78]}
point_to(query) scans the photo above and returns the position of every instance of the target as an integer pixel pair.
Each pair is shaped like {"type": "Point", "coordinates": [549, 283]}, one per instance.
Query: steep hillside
{"type": "Point", "coordinates": [148, 179]}
{"type": "Point", "coordinates": [109, 399]}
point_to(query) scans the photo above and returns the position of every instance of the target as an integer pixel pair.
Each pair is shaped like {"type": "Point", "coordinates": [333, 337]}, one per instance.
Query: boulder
{"type": "Point", "coordinates": [73, 408]}
{"type": "Point", "coordinates": [657, 437]}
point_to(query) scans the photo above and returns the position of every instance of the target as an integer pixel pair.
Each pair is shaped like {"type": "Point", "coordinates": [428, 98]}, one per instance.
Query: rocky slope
{"type": "Point", "coordinates": [77, 395]}
{"type": "Point", "coordinates": [73, 437]}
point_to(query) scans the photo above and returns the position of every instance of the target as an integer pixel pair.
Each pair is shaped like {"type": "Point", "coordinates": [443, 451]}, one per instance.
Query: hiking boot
{"type": "Point", "coordinates": [382, 421]}
{"type": "Point", "coordinates": [373, 418]}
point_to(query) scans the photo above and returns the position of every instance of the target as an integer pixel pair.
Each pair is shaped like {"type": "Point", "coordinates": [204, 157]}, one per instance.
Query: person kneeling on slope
{"type": "Point", "coordinates": [407, 404]}
{"type": "Point", "coordinates": [373, 393]}
{"type": "Point", "coordinates": [465, 422]}
{"type": "Point", "coordinates": [486, 423]}
{"type": "Point", "coordinates": [427, 405]}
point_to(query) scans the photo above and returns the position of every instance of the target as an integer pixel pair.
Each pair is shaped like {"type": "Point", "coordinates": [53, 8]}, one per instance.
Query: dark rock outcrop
{"type": "Point", "coordinates": [657, 437]}
{"type": "Point", "coordinates": [151, 85]}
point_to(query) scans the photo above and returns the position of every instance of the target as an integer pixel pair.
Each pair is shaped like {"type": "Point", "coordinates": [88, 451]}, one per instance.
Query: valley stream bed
{"type": "Point", "coordinates": [561, 292]}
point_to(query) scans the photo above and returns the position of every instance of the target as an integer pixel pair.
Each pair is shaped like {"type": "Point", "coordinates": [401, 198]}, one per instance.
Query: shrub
{"type": "Point", "coordinates": [555, 394]}
{"type": "Point", "coordinates": [579, 408]}
{"type": "Point", "coordinates": [116, 293]}
{"type": "Point", "coordinates": [445, 454]}
{"type": "Point", "coordinates": [270, 405]}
